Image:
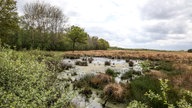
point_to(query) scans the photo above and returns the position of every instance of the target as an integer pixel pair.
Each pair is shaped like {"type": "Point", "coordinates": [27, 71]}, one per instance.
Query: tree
{"type": "Point", "coordinates": [103, 44]}
{"type": "Point", "coordinates": [8, 21]}
{"type": "Point", "coordinates": [45, 24]}
{"type": "Point", "coordinates": [76, 35]}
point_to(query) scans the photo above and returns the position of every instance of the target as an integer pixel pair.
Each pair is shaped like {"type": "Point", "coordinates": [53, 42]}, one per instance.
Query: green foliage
{"type": "Point", "coordinates": [190, 50]}
{"type": "Point", "coordinates": [26, 82]}
{"type": "Point", "coordinates": [163, 65]}
{"type": "Point", "coordinates": [136, 104]}
{"type": "Point", "coordinates": [182, 103]}
{"type": "Point", "coordinates": [146, 66]}
{"type": "Point", "coordinates": [111, 72]}
{"type": "Point", "coordinates": [76, 35]}
{"type": "Point", "coordinates": [42, 26]}
{"type": "Point", "coordinates": [139, 86]}
{"type": "Point", "coordinates": [84, 81]}
{"type": "Point", "coordinates": [8, 21]}
{"type": "Point", "coordinates": [129, 74]}
{"type": "Point", "coordinates": [103, 44]}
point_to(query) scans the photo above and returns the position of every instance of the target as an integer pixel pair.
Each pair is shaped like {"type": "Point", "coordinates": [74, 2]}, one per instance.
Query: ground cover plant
{"type": "Point", "coordinates": [27, 82]}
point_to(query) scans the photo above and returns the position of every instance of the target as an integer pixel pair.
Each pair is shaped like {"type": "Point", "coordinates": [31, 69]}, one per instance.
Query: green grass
{"type": "Point", "coordinates": [111, 72]}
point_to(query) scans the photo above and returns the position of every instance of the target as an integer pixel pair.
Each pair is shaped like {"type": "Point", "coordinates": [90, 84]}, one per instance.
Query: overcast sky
{"type": "Point", "coordinates": [150, 24]}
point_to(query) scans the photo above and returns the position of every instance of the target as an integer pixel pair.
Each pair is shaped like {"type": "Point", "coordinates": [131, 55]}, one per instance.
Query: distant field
{"type": "Point", "coordinates": [179, 56]}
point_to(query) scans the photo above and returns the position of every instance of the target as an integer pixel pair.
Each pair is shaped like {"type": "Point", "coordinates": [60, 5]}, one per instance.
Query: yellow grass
{"type": "Point", "coordinates": [180, 57]}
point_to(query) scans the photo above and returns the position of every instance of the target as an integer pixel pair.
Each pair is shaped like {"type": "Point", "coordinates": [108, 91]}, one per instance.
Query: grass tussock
{"type": "Point", "coordinates": [100, 80]}
{"type": "Point", "coordinates": [114, 91]}
{"type": "Point", "coordinates": [183, 80]}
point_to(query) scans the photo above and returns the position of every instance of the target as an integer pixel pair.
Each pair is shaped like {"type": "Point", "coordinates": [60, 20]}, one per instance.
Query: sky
{"type": "Point", "coordinates": [148, 24]}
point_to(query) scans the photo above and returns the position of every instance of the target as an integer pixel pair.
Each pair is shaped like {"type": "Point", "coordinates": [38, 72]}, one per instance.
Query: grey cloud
{"type": "Point", "coordinates": [166, 9]}
{"type": "Point", "coordinates": [106, 34]}
{"type": "Point", "coordinates": [169, 27]}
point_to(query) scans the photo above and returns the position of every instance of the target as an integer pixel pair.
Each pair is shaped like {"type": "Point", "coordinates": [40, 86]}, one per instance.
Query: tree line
{"type": "Point", "coordinates": [43, 26]}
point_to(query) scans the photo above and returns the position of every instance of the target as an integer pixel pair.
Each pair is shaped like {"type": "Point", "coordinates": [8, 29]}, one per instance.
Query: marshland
{"type": "Point", "coordinates": [48, 60]}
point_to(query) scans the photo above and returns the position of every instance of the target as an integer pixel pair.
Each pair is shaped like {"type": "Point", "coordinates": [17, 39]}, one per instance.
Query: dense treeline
{"type": "Point", "coordinates": [44, 27]}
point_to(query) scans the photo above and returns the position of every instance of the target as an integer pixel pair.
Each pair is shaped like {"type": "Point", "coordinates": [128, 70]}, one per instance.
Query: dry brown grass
{"type": "Point", "coordinates": [180, 57]}
{"type": "Point", "coordinates": [182, 67]}
{"type": "Point", "coordinates": [157, 74]}
{"type": "Point", "coordinates": [184, 80]}
{"type": "Point", "coordinates": [100, 80]}
{"type": "Point", "coordinates": [114, 90]}
{"type": "Point", "coordinates": [182, 62]}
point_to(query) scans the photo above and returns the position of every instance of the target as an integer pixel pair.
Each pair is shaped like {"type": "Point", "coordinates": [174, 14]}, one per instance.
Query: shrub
{"type": "Point", "coordinates": [165, 98]}
{"type": "Point", "coordinates": [81, 63]}
{"type": "Point", "coordinates": [127, 60]}
{"type": "Point", "coordinates": [87, 92]}
{"type": "Point", "coordinates": [90, 59]}
{"type": "Point", "coordinates": [183, 80]}
{"type": "Point", "coordinates": [113, 92]}
{"type": "Point", "coordinates": [99, 81]}
{"type": "Point", "coordinates": [84, 81]}
{"type": "Point", "coordinates": [141, 85]}
{"type": "Point", "coordinates": [107, 63]}
{"type": "Point", "coordinates": [25, 82]}
{"type": "Point", "coordinates": [190, 50]}
{"type": "Point", "coordinates": [111, 72]}
{"type": "Point", "coordinates": [129, 74]}
{"type": "Point", "coordinates": [136, 104]}
{"type": "Point", "coordinates": [163, 65]}
{"type": "Point", "coordinates": [131, 63]}
{"type": "Point", "coordinates": [146, 66]}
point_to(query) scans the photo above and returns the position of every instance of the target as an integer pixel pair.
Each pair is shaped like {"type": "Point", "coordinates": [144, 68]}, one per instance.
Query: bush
{"type": "Point", "coordinates": [141, 85]}
{"type": "Point", "coordinates": [114, 92]}
{"type": "Point", "coordinates": [87, 92]}
{"type": "Point", "coordinates": [107, 63]}
{"type": "Point", "coordinates": [131, 63]}
{"type": "Point", "coordinates": [136, 104]}
{"type": "Point", "coordinates": [90, 59]}
{"type": "Point", "coordinates": [163, 65]}
{"type": "Point", "coordinates": [190, 50]}
{"type": "Point", "coordinates": [84, 81]}
{"type": "Point", "coordinates": [111, 72]}
{"type": "Point", "coordinates": [99, 81]}
{"type": "Point", "coordinates": [25, 82]}
{"type": "Point", "coordinates": [81, 63]}
{"type": "Point", "coordinates": [129, 74]}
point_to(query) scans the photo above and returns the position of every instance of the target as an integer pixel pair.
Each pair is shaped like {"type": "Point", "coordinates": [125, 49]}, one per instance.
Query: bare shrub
{"type": "Point", "coordinates": [113, 92]}
{"type": "Point", "coordinates": [107, 63]}
{"type": "Point", "coordinates": [100, 80]}
{"type": "Point", "coordinates": [131, 63]}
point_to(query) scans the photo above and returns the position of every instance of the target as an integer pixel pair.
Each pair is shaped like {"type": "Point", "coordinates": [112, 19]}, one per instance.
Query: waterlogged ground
{"type": "Point", "coordinates": [97, 66]}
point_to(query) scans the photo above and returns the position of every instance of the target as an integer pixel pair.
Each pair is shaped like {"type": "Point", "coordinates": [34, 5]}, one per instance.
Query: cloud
{"type": "Point", "coordinates": [154, 24]}
{"type": "Point", "coordinates": [160, 9]}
